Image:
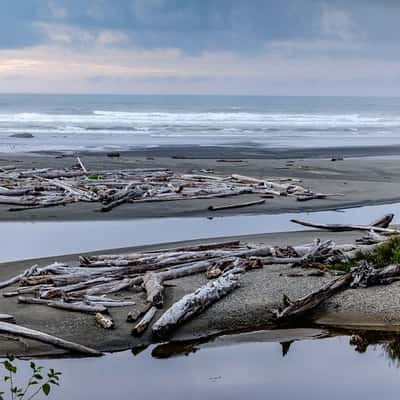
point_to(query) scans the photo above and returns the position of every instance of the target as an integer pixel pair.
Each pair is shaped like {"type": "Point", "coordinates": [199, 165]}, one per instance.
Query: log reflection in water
{"type": "Point", "coordinates": [389, 342]}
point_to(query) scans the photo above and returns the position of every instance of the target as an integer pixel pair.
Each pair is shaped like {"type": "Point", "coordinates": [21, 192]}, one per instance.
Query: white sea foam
{"type": "Point", "coordinates": [107, 118]}
{"type": "Point", "coordinates": [104, 128]}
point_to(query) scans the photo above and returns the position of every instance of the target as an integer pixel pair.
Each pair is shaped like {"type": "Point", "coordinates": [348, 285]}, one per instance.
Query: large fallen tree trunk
{"type": "Point", "coordinates": [27, 333]}
{"type": "Point", "coordinates": [345, 227]}
{"type": "Point", "coordinates": [311, 301]}
{"type": "Point", "coordinates": [194, 303]}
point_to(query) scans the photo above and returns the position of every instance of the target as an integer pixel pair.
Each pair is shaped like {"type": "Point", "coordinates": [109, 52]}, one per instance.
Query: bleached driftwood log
{"type": "Point", "coordinates": [154, 288]}
{"type": "Point", "coordinates": [236, 205]}
{"type": "Point", "coordinates": [194, 303]}
{"type": "Point", "coordinates": [107, 302]}
{"type": "Point", "coordinates": [142, 325]}
{"type": "Point", "coordinates": [27, 333]}
{"type": "Point", "coordinates": [7, 318]}
{"type": "Point", "coordinates": [79, 307]}
{"type": "Point", "coordinates": [30, 271]}
{"type": "Point", "coordinates": [316, 196]}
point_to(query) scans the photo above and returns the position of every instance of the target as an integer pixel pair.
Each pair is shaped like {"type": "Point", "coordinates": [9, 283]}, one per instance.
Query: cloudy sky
{"type": "Point", "coordinates": [281, 47]}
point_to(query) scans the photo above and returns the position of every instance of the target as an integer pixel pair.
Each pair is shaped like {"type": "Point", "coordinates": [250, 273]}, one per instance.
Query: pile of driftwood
{"type": "Point", "coordinates": [37, 188]}
{"type": "Point", "coordinates": [90, 284]}
{"type": "Point", "coordinates": [361, 276]}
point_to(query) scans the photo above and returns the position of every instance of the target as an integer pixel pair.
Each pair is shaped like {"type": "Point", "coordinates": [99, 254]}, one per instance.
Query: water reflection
{"type": "Point", "coordinates": [328, 368]}
{"type": "Point", "coordinates": [361, 341]}
{"type": "Point", "coordinates": [388, 343]}
{"type": "Point", "coordinates": [70, 237]}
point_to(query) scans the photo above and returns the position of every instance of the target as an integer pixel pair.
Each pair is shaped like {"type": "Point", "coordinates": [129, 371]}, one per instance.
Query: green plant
{"type": "Point", "coordinates": [385, 254]}
{"type": "Point", "coordinates": [36, 384]}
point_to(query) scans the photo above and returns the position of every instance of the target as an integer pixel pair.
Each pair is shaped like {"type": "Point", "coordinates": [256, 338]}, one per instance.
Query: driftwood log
{"type": "Point", "coordinates": [311, 301]}
{"type": "Point", "coordinates": [236, 205]}
{"type": "Point", "coordinates": [154, 288]}
{"type": "Point", "coordinates": [194, 303]}
{"type": "Point", "coordinates": [143, 324]}
{"type": "Point", "coordinates": [137, 313]}
{"type": "Point", "coordinates": [27, 333]}
{"type": "Point", "coordinates": [376, 226]}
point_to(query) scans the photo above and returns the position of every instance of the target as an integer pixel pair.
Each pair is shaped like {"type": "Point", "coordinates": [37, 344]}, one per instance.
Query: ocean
{"type": "Point", "coordinates": [113, 122]}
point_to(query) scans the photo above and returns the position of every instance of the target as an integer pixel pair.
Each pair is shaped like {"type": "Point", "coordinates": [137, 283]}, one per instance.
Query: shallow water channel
{"type": "Point", "coordinates": [23, 240]}
{"type": "Point", "coordinates": [363, 366]}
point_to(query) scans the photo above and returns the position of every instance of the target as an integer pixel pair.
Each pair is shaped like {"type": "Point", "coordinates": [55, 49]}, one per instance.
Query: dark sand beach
{"type": "Point", "coordinates": [359, 181]}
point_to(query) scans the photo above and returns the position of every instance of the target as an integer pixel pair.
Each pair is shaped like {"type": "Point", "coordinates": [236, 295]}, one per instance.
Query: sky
{"type": "Point", "coordinates": [254, 47]}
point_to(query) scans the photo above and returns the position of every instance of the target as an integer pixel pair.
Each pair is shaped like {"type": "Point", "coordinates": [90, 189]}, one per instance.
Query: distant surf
{"type": "Point", "coordinates": [125, 122]}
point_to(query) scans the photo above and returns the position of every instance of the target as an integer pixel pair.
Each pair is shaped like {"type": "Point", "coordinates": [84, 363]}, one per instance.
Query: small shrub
{"type": "Point", "coordinates": [39, 382]}
{"type": "Point", "coordinates": [385, 254]}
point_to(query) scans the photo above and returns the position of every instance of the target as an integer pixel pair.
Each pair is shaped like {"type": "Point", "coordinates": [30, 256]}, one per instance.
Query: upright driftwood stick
{"type": "Point", "coordinates": [82, 165]}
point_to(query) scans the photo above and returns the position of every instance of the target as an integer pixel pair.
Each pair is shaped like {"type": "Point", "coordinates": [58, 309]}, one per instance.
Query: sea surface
{"type": "Point", "coordinates": [104, 122]}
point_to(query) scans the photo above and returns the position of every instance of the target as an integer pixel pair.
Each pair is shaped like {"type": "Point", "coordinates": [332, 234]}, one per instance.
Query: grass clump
{"type": "Point", "coordinates": [385, 254]}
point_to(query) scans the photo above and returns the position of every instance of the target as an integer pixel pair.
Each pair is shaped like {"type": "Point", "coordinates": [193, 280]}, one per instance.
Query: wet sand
{"type": "Point", "coordinates": [246, 308]}
{"type": "Point", "coordinates": [362, 181]}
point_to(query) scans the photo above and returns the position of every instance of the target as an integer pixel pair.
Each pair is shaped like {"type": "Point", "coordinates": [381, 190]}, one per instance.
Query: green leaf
{"type": "Point", "coordinates": [38, 376]}
{"type": "Point", "coordinates": [33, 365]}
{"type": "Point", "coordinates": [46, 389]}
{"type": "Point", "coordinates": [10, 367]}
{"type": "Point", "coordinates": [6, 378]}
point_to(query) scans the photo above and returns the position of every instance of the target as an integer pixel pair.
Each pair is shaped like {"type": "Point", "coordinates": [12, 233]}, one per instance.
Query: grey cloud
{"type": "Point", "coordinates": [190, 25]}
{"type": "Point", "coordinates": [207, 25]}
